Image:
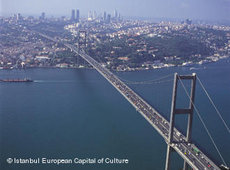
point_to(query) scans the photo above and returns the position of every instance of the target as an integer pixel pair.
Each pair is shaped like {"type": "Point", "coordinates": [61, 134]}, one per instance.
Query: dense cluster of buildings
{"type": "Point", "coordinates": [134, 34]}
{"type": "Point", "coordinates": [23, 48]}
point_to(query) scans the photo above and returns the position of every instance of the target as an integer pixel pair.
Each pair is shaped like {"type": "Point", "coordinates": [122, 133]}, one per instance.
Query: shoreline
{"type": "Point", "coordinates": [191, 65]}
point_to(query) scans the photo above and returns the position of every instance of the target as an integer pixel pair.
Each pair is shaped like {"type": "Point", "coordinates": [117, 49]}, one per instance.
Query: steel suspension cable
{"type": "Point", "coordinates": [148, 81]}
{"type": "Point", "coordinates": [217, 111]}
{"type": "Point", "coordinates": [153, 82]}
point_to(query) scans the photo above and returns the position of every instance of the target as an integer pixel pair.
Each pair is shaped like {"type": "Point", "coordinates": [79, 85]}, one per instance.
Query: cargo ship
{"type": "Point", "coordinates": [16, 80]}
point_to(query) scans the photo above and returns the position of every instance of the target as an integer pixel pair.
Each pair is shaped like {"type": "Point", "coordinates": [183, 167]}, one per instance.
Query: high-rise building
{"type": "Point", "coordinates": [104, 17]}
{"type": "Point", "coordinates": [90, 16]}
{"type": "Point", "coordinates": [188, 21]}
{"type": "Point", "coordinates": [42, 17]}
{"type": "Point", "coordinates": [73, 15]}
{"type": "Point", "coordinates": [77, 15]}
{"type": "Point", "coordinates": [108, 18]}
{"type": "Point", "coordinates": [18, 17]}
{"type": "Point", "coordinates": [115, 13]}
{"type": "Point", "coordinates": [94, 15]}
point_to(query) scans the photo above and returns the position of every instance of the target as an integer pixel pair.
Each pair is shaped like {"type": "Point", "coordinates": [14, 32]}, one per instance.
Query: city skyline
{"type": "Point", "coordinates": [196, 9]}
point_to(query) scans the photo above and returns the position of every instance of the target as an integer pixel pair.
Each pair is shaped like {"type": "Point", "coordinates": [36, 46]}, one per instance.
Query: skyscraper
{"type": "Point", "coordinates": [94, 15]}
{"type": "Point", "coordinates": [73, 15]}
{"type": "Point", "coordinates": [104, 17]}
{"type": "Point", "coordinates": [109, 18]}
{"type": "Point", "coordinates": [188, 21]}
{"type": "Point", "coordinates": [18, 17]}
{"type": "Point", "coordinates": [115, 13]}
{"type": "Point", "coordinates": [77, 15]}
{"type": "Point", "coordinates": [90, 17]}
{"type": "Point", "coordinates": [42, 17]}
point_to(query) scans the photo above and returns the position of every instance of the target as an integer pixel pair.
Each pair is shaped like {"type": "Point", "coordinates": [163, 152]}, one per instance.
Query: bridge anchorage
{"type": "Point", "coordinates": [175, 111]}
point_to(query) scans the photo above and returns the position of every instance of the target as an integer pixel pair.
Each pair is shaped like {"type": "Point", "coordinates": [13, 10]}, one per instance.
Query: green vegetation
{"type": "Point", "coordinates": [142, 49]}
{"type": "Point", "coordinates": [178, 46]}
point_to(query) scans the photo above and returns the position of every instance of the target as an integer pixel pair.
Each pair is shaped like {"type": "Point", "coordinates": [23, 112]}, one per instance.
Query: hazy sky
{"type": "Point", "coordinates": [194, 9]}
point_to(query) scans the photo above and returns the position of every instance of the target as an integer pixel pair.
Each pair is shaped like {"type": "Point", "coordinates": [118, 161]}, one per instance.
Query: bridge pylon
{"type": "Point", "coordinates": [175, 111]}
{"type": "Point", "coordinates": [82, 36]}
{"type": "Point", "coordinates": [81, 42]}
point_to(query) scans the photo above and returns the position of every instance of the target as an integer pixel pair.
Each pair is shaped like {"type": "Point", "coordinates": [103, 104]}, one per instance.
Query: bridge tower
{"type": "Point", "coordinates": [175, 111]}
{"type": "Point", "coordinates": [82, 36]}
{"type": "Point", "coordinates": [81, 42]}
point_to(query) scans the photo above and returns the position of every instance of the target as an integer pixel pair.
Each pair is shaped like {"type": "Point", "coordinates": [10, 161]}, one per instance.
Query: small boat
{"type": "Point", "coordinates": [16, 80]}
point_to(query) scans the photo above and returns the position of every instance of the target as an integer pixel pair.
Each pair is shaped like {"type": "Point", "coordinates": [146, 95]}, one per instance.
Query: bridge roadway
{"type": "Point", "coordinates": [197, 161]}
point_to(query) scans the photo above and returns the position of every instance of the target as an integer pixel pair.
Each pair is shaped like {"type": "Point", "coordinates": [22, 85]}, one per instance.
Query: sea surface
{"type": "Point", "coordinates": [76, 113]}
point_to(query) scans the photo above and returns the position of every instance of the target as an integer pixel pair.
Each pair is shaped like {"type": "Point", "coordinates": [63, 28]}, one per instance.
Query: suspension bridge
{"type": "Point", "coordinates": [174, 139]}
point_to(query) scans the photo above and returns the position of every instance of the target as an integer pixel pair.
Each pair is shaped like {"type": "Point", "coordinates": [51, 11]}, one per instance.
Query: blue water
{"type": "Point", "coordinates": [69, 113]}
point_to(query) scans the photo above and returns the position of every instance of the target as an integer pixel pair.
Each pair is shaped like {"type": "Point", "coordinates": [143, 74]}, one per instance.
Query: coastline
{"type": "Point", "coordinates": [208, 60]}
